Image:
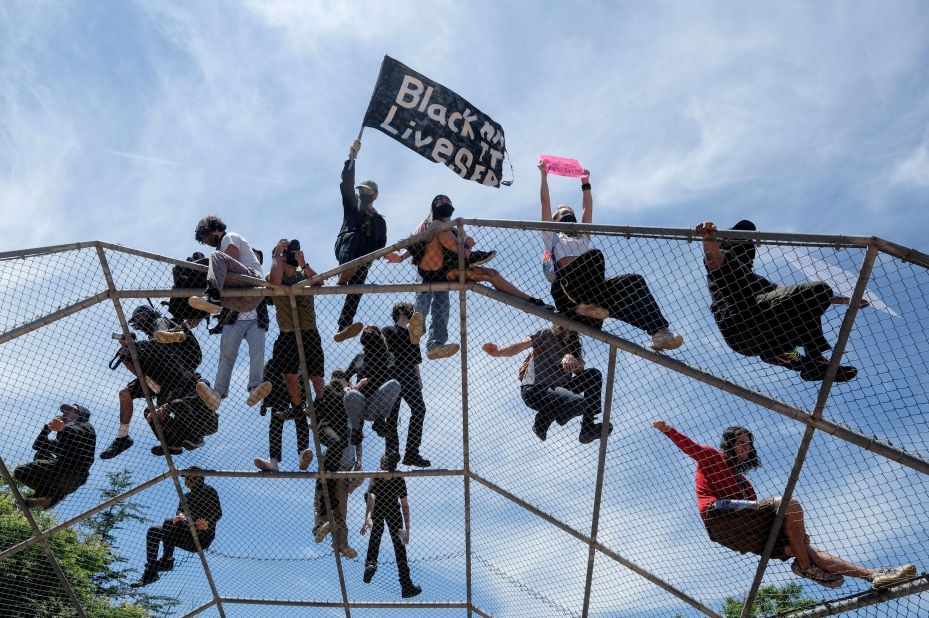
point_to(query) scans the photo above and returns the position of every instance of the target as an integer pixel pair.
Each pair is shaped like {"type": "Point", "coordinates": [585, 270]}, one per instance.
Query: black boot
{"type": "Point", "coordinates": [592, 432]}
{"type": "Point", "coordinates": [541, 425]}
{"type": "Point", "coordinates": [409, 589]}
{"type": "Point", "coordinates": [116, 447]}
{"type": "Point", "coordinates": [149, 576]}
{"type": "Point", "coordinates": [370, 570]}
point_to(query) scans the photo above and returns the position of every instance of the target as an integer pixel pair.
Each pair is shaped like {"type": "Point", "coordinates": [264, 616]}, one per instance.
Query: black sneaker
{"type": "Point", "coordinates": [165, 564]}
{"type": "Point", "coordinates": [116, 447]}
{"type": "Point", "coordinates": [37, 502]}
{"type": "Point", "coordinates": [815, 371]}
{"type": "Point", "coordinates": [410, 590]}
{"type": "Point", "coordinates": [538, 302]}
{"type": "Point", "coordinates": [380, 426]}
{"type": "Point", "coordinates": [480, 257]}
{"type": "Point", "coordinates": [149, 576]}
{"type": "Point", "coordinates": [157, 451]}
{"type": "Point", "coordinates": [417, 460]}
{"type": "Point", "coordinates": [370, 570]}
{"type": "Point", "coordinates": [592, 433]}
{"type": "Point", "coordinates": [540, 427]}
{"type": "Point", "coordinates": [792, 360]}
{"type": "Point", "coordinates": [393, 458]}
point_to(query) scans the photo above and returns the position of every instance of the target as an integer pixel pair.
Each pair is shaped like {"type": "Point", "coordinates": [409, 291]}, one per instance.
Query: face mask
{"type": "Point", "coordinates": [365, 198]}
{"type": "Point", "coordinates": [443, 210]}
{"type": "Point", "coordinates": [568, 218]}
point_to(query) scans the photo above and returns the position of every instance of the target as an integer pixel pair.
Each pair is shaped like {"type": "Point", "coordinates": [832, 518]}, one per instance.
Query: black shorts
{"type": "Point", "coordinates": [135, 389]}
{"type": "Point", "coordinates": [287, 357]}
{"type": "Point", "coordinates": [746, 530]}
{"type": "Point", "coordinates": [435, 276]}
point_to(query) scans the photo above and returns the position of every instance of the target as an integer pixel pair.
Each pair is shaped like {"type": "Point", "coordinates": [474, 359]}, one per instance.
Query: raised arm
{"type": "Point", "coordinates": [544, 195]}
{"type": "Point", "coordinates": [713, 255]}
{"type": "Point", "coordinates": [508, 350]}
{"type": "Point", "coordinates": [698, 452]}
{"type": "Point", "coordinates": [588, 200]}
{"type": "Point", "coordinates": [347, 186]}
{"type": "Point", "coordinates": [277, 262]}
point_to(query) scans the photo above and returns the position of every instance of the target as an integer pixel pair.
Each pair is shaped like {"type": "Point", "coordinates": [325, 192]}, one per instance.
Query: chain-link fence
{"type": "Point", "coordinates": [542, 483]}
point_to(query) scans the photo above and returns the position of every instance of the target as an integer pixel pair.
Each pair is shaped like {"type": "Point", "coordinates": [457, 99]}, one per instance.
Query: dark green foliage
{"type": "Point", "coordinates": [770, 601]}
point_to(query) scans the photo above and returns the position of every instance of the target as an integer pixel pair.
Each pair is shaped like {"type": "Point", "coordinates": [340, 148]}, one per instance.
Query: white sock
{"type": "Point", "coordinates": [123, 431]}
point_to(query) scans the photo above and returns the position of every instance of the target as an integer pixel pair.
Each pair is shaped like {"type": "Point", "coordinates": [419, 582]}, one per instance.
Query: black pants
{"type": "Point", "coordinates": [173, 534]}
{"type": "Point", "coordinates": [781, 321]}
{"type": "Point", "coordinates": [411, 391]}
{"type": "Point", "coordinates": [350, 307]}
{"type": "Point", "coordinates": [47, 480]}
{"type": "Point", "coordinates": [626, 297]}
{"type": "Point", "coordinates": [391, 516]}
{"type": "Point", "coordinates": [579, 396]}
{"type": "Point", "coordinates": [276, 435]}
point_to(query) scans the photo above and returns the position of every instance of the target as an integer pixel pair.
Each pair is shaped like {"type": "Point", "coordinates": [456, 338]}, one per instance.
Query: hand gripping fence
{"type": "Point", "coordinates": [518, 513]}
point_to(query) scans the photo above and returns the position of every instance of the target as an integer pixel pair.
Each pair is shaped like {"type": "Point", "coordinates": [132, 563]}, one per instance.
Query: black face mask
{"type": "Point", "coordinates": [443, 210]}
{"type": "Point", "coordinates": [568, 218]}
{"type": "Point", "coordinates": [366, 199]}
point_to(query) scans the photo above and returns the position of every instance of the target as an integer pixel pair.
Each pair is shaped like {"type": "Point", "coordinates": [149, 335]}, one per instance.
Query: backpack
{"type": "Point", "coordinates": [185, 278]}
{"type": "Point", "coordinates": [525, 367]}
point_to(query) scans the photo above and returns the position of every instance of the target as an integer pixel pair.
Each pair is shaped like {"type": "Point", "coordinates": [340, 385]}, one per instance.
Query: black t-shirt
{"type": "Point", "coordinates": [377, 368]}
{"type": "Point", "coordinates": [203, 502]}
{"type": "Point", "coordinates": [406, 355]}
{"type": "Point", "coordinates": [387, 491]}
{"type": "Point", "coordinates": [330, 409]}
{"type": "Point", "coordinates": [734, 285]}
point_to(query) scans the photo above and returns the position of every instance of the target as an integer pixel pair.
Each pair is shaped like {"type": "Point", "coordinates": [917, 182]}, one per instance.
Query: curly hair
{"type": "Point", "coordinates": [207, 226]}
{"type": "Point", "coordinates": [405, 309]}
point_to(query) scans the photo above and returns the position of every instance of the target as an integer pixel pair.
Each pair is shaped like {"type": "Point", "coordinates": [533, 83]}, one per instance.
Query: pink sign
{"type": "Point", "coordinates": [560, 166]}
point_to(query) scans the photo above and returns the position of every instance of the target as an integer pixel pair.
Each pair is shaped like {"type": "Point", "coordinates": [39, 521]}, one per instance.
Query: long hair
{"type": "Point", "coordinates": [568, 338]}
{"type": "Point", "coordinates": [373, 342]}
{"type": "Point", "coordinates": [727, 446]}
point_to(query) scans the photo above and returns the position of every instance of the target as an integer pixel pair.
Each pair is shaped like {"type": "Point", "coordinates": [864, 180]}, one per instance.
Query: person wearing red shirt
{"type": "Point", "coordinates": [735, 518]}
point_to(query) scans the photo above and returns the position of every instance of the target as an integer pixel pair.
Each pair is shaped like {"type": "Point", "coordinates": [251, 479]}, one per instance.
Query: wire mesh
{"type": "Point", "coordinates": [531, 501]}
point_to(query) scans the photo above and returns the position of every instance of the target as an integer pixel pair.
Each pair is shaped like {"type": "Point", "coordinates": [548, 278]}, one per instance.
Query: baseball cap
{"type": "Point", "coordinates": [368, 184]}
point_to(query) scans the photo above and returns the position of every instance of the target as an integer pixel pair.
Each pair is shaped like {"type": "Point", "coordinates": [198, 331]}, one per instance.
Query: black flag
{"type": "Point", "coordinates": [437, 123]}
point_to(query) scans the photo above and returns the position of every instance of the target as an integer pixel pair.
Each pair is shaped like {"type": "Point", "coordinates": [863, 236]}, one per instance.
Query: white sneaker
{"type": "Point", "coordinates": [258, 393]}
{"type": "Point", "coordinates": [306, 457]}
{"type": "Point", "coordinates": [417, 324]}
{"type": "Point", "coordinates": [442, 351]}
{"type": "Point", "coordinates": [816, 574]}
{"type": "Point", "coordinates": [208, 396]}
{"type": "Point", "coordinates": [266, 465]}
{"type": "Point", "coordinates": [204, 304]}
{"type": "Point", "coordinates": [889, 576]}
{"type": "Point", "coordinates": [666, 340]}
{"type": "Point", "coordinates": [169, 336]}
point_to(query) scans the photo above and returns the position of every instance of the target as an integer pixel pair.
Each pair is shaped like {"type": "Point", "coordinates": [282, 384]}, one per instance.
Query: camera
{"type": "Point", "coordinates": [292, 247]}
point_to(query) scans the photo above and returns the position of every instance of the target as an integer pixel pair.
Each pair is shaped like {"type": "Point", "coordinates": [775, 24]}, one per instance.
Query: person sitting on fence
{"type": "Point", "coordinates": [184, 422]}
{"type": "Point", "coordinates": [166, 359]}
{"type": "Point", "coordinates": [363, 230]}
{"type": "Point", "coordinates": [580, 287]}
{"type": "Point", "coordinates": [407, 358]}
{"type": "Point", "coordinates": [205, 511]}
{"type": "Point", "coordinates": [387, 503]}
{"type": "Point", "coordinates": [437, 260]}
{"type": "Point", "coordinates": [284, 408]}
{"type": "Point", "coordinates": [735, 518]}
{"type": "Point", "coordinates": [233, 255]}
{"type": "Point", "coordinates": [374, 394]}
{"type": "Point", "coordinates": [61, 464]}
{"type": "Point", "coordinates": [759, 318]}
{"type": "Point", "coordinates": [333, 429]}
{"type": "Point", "coordinates": [555, 382]}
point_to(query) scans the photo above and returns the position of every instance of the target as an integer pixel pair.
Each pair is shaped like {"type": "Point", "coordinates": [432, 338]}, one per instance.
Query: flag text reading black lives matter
{"type": "Point", "coordinates": [437, 123]}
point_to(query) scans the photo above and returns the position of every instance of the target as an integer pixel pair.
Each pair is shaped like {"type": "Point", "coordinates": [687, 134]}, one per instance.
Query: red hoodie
{"type": "Point", "coordinates": [715, 479]}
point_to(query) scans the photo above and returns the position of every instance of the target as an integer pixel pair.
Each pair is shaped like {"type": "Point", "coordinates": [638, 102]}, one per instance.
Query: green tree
{"type": "Point", "coordinates": [771, 601]}
{"type": "Point", "coordinates": [95, 570]}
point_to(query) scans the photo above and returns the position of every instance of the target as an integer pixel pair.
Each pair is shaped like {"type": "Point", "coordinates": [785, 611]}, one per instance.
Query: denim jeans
{"type": "Point", "coordinates": [229, 343]}
{"type": "Point", "coordinates": [438, 326]}
{"type": "Point", "coordinates": [578, 396]}
{"type": "Point", "coordinates": [378, 405]}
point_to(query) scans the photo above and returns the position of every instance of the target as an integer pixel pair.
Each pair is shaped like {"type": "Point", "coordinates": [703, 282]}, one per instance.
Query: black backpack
{"type": "Point", "coordinates": [185, 278]}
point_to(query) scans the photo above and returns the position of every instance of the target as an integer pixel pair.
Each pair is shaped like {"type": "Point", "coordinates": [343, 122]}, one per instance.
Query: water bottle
{"type": "Point", "coordinates": [548, 266]}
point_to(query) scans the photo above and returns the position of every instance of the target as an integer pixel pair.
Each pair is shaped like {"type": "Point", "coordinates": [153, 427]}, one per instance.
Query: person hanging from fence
{"type": "Point", "coordinates": [555, 382]}
{"type": "Point", "coordinates": [407, 358]}
{"type": "Point", "coordinates": [334, 432]}
{"type": "Point", "coordinates": [387, 503]}
{"type": "Point", "coordinates": [282, 407]}
{"type": "Point", "coordinates": [735, 518]}
{"type": "Point", "coordinates": [233, 255]}
{"type": "Point", "coordinates": [376, 391]}
{"type": "Point", "coordinates": [61, 464]}
{"type": "Point", "coordinates": [168, 362]}
{"type": "Point", "coordinates": [759, 318]}
{"type": "Point", "coordinates": [580, 287]}
{"type": "Point", "coordinates": [437, 262]}
{"type": "Point", "coordinates": [363, 230]}
{"type": "Point", "coordinates": [205, 511]}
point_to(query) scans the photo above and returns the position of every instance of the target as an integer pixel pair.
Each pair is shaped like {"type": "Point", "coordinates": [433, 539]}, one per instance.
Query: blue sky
{"type": "Point", "coordinates": [128, 122]}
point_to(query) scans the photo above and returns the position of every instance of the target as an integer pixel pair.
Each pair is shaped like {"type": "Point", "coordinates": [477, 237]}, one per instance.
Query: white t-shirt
{"type": "Point", "coordinates": [564, 245]}
{"type": "Point", "coordinates": [247, 258]}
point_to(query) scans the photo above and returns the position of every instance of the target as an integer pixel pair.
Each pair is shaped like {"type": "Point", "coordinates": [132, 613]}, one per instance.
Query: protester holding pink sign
{"type": "Point", "coordinates": [579, 285]}
{"type": "Point", "coordinates": [560, 166]}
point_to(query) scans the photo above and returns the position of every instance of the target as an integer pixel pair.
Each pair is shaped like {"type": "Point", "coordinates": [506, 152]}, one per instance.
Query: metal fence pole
{"type": "Point", "coordinates": [844, 332]}
{"type": "Point", "coordinates": [324, 484]}
{"type": "Point", "coordinates": [36, 530]}
{"type": "Point", "coordinates": [601, 470]}
{"type": "Point", "coordinates": [140, 374]}
{"type": "Point", "coordinates": [465, 431]}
